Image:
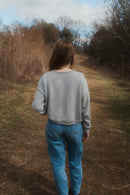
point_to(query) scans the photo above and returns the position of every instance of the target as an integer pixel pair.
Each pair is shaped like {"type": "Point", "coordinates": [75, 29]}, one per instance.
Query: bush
{"type": "Point", "coordinates": [22, 53]}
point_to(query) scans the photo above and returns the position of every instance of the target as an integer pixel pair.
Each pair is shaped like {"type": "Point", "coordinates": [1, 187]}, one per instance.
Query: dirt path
{"type": "Point", "coordinates": [24, 162]}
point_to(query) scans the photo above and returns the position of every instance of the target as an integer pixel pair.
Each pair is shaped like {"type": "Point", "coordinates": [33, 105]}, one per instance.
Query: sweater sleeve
{"type": "Point", "coordinates": [86, 115]}
{"type": "Point", "coordinates": [39, 102]}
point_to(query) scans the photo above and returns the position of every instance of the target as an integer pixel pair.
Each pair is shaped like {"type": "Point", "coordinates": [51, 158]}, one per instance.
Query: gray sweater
{"type": "Point", "coordinates": [64, 97]}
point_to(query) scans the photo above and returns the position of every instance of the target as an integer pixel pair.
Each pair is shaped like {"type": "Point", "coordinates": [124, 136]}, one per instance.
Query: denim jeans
{"type": "Point", "coordinates": [58, 136]}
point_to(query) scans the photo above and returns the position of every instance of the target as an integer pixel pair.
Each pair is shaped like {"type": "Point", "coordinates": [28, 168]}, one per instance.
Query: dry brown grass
{"type": "Point", "coordinates": [24, 161]}
{"type": "Point", "coordinates": [22, 54]}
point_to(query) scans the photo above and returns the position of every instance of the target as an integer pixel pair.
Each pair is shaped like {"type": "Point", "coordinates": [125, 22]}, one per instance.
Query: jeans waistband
{"type": "Point", "coordinates": [54, 122]}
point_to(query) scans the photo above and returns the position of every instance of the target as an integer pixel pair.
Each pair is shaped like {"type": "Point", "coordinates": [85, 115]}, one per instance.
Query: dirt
{"type": "Point", "coordinates": [25, 167]}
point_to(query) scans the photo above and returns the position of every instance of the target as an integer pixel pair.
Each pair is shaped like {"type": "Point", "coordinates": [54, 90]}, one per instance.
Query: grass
{"type": "Point", "coordinates": [117, 104]}
{"type": "Point", "coordinates": [24, 161]}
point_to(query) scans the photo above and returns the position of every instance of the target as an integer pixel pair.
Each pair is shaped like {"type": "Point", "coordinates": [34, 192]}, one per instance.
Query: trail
{"type": "Point", "coordinates": [24, 161]}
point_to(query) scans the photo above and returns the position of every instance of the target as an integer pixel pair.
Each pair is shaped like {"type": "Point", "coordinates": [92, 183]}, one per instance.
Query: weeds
{"type": "Point", "coordinates": [22, 54]}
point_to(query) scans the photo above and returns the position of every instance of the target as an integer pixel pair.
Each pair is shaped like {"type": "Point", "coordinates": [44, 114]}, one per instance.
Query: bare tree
{"type": "Point", "coordinates": [77, 27]}
{"type": "Point", "coordinates": [64, 22]}
{"type": "Point", "coordinates": [118, 19]}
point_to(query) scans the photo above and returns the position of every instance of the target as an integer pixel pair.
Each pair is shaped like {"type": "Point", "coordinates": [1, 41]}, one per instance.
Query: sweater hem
{"type": "Point", "coordinates": [65, 123]}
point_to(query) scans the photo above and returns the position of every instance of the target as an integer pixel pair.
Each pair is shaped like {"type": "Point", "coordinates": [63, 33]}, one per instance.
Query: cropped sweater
{"type": "Point", "coordinates": [64, 98]}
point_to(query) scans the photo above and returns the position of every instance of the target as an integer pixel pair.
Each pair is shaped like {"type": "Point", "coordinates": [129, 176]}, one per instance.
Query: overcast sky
{"type": "Point", "coordinates": [49, 10]}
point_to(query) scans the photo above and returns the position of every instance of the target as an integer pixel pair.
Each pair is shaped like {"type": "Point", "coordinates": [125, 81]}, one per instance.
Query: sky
{"type": "Point", "coordinates": [25, 11]}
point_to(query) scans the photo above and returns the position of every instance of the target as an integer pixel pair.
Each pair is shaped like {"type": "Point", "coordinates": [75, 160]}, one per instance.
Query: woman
{"type": "Point", "coordinates": [63, 95]}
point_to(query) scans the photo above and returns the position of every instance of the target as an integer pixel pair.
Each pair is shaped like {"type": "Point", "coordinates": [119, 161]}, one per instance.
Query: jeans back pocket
{"type": "Point", "coordinates": [53, 129]}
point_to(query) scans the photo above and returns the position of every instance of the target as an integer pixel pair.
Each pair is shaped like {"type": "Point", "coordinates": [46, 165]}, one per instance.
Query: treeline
{"type": "Point", "coordinates": [25, 50]}
{"type": "Point", "coordinates": [110, 44]}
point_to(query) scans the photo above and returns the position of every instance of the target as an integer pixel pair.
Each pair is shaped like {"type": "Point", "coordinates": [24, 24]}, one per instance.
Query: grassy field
{"type": "Point", "coordinates": [24, 161]}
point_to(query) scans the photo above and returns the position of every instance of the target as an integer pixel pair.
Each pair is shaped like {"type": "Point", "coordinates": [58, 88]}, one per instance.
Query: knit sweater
{"type": "Point", "coordinates": [64, 98]}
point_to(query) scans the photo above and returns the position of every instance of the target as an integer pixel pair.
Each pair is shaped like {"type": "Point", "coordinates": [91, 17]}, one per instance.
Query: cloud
{"type": "Point", "coordinates": [50, 10]}
{"type": "Point", "coordinates": [3, 5]}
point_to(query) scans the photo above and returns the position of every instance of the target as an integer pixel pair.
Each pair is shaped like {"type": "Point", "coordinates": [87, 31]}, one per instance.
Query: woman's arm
{"type": "Point", "coordinates": [39, 102]}
{"type": "Point", "coordinates": [86, 115]}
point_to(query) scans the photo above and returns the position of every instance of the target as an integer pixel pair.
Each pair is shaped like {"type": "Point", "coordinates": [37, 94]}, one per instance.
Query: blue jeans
{"type": "Point", "coordinates": [58, 136]}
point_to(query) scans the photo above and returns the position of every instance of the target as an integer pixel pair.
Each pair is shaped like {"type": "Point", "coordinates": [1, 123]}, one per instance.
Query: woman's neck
{"type": "Point", "coordinates": [64, 68]}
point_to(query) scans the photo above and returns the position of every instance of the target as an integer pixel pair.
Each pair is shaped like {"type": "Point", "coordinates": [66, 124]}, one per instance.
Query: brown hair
{"type": "Point", "coordinates": [62, 55]}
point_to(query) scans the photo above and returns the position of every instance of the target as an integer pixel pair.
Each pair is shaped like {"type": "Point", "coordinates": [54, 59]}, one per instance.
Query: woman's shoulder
{"type": "Point", "coordinates": [45, 75]}
{"type": "Point", "coordinates": [80, 75]}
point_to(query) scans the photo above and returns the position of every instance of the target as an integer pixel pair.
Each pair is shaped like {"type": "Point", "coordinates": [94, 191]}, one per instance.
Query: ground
{"type": "Point", "coordinates": [25, 167]}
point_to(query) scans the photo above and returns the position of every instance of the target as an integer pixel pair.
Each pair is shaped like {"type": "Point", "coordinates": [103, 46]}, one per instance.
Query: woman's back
{"type": "Point", "coordinates": [65, 93]}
